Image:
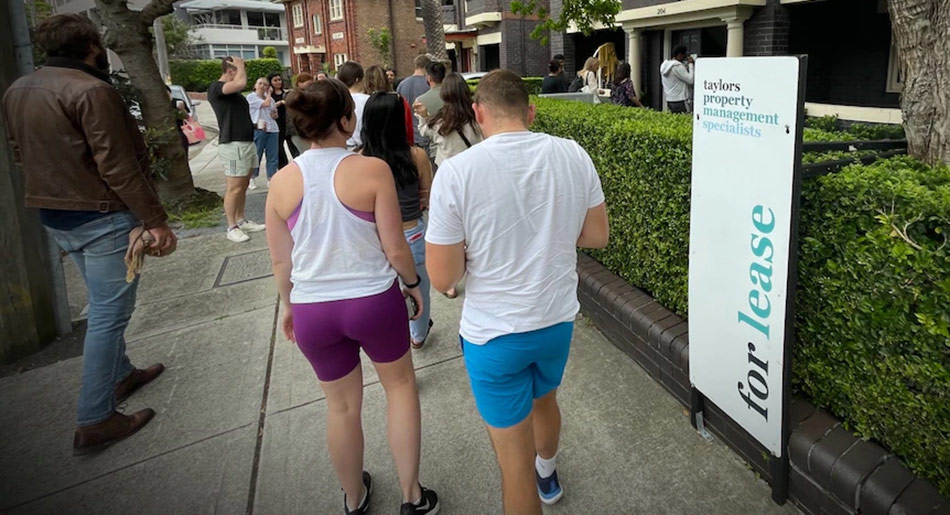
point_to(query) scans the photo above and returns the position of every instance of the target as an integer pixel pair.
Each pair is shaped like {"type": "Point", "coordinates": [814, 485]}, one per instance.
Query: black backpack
{"type": "Point", "coordinates": [576, 84]}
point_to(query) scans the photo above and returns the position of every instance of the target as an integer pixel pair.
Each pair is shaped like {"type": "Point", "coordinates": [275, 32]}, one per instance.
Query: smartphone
{"type": "Point", "coordinates": [412, 306]}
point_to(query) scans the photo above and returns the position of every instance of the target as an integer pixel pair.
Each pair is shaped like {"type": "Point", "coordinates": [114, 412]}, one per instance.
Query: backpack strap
{"type": "Point", "coordinates": [462, 135]}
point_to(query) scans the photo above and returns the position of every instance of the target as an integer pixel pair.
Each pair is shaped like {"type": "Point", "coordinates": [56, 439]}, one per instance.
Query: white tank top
{"type": "Point", "coordinates": [337, 255]}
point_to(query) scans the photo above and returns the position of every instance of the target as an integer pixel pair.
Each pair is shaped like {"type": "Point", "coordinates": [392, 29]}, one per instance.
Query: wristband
{"type": "Point", "coordinates": [415, 285]}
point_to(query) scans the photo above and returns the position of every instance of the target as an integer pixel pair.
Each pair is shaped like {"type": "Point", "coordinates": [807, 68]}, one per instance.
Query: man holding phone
{"type": "Point", "coordinates": [236, 148]}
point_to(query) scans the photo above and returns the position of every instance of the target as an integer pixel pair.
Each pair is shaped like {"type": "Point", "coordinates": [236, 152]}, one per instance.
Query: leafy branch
{"type": "Point", "coordinates": [584, 14]}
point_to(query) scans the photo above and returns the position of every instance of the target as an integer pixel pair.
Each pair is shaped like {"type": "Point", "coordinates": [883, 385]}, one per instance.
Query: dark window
{"type": "Point", "coordinates": [271, 20]}
{"type": "Point", "coordinates": [255, 19]}
{"type": "Point", "coordinates": [228, 17]}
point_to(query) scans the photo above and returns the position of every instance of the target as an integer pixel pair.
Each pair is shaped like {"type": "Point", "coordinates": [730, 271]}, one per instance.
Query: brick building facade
{"type": "Point", "coordinates": [852, 70]}
{"type": "Point", "coordinates": [331, 32]}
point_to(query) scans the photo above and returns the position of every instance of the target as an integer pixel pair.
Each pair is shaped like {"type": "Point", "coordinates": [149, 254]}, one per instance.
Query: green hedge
{"type": "Point", "coordinates": [873, 299]}
{"type": "Point", "coordinates": [532, 83]}
{"type": "Point", "coordinates": [198, 74]}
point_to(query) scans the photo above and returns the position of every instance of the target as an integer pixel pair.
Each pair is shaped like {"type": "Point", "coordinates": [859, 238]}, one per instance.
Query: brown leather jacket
{"type": "Point", "coordinates": [79, 147]}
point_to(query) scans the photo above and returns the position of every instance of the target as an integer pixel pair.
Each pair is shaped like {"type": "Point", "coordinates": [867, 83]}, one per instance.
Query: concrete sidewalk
{"type": "Point", "coordinates": [241, 426]}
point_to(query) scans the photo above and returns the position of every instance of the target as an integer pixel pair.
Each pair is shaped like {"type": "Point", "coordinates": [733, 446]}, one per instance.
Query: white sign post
{"type": "Point", "coordinates": [747, 119]}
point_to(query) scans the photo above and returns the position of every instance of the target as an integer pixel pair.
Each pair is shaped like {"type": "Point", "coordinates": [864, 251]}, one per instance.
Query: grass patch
{"type": "Point", "coordinates": [201, 210]}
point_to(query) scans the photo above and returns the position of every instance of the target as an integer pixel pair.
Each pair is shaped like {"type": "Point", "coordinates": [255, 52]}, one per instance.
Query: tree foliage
{"type": "Point", "coordinates": [180, 37]}
{"type": "Point", "coordinates": [584, 14]}
{"type": "Point", "coordinates": [381, 39]}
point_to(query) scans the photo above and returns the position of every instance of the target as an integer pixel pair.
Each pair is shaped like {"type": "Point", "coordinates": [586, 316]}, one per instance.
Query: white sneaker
{"type": "Point", "coordinates": [252, 185]}
{"type": "Point", "coordinates": [250, 226]}
{"type": "Point", "coordinates": [237, 235]}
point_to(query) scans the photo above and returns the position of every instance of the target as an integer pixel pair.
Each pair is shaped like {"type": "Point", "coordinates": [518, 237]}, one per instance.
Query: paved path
{"type": "Point", "coordinates": [241, 419]}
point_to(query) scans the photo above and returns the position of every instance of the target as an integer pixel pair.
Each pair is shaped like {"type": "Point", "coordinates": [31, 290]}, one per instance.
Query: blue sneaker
{"type": "Point", "coordinates": [549, 489]}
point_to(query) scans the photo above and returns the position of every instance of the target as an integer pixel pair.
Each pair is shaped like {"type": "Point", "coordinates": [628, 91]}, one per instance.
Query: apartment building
{"type": "Point", "coordinates": [852, 68]}
{"type": "Point", "coordinates": [236, 27]}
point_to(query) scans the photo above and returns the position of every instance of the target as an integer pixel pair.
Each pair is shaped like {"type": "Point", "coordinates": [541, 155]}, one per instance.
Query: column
{"type": "Point", "coordinates": [633, 57]}
{"type": "Point", "coordinates": [734, 37]}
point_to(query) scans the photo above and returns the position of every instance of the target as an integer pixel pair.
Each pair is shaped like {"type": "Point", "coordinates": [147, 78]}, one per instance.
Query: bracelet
{"type": "Point", "coordinates": [416, 285]}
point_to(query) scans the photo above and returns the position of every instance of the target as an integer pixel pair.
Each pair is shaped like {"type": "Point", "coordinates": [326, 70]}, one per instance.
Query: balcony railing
{"type": "Point", "coordinates": [263, 33]}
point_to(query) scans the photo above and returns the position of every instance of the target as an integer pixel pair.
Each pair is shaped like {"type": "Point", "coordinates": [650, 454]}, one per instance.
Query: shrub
{"type": "Point", "coordinates": [269, 52]}
{"type": "Point", "coordinates": [872, 339]}
{"type": "Point", "coordinates": [197, 75]}
{"type": "Point", "coordinates": [532, 83]}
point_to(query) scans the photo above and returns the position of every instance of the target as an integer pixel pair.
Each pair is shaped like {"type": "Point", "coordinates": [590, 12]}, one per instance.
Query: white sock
{"type": "Point", "coordinates": [545, 467]}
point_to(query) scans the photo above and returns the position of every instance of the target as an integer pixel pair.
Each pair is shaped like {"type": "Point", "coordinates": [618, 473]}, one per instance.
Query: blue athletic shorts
{"type": "Point", "coordinates": [510, 371]}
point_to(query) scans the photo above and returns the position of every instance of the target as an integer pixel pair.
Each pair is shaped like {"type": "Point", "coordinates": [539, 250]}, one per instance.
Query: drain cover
{"type": "Point", "coordinates": [243, 268]}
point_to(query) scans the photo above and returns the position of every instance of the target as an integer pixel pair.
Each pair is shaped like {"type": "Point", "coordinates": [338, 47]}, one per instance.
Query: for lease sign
{"type": "Point", "coordinates": [744, 152]}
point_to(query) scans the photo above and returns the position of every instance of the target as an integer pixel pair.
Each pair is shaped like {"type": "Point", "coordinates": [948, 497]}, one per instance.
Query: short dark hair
{"type": "Point", "coordinates": [504, 93]}
{"type": "Point", "coordinates": [559, 57]}
{"type": "Point", "coordinates": [436, 72]}
{"type": "Point", "coordinates": [67, 35]}
{"type": "Point", "coordinates": [554, 66]}
{"type": "Point", "coordinates": [421, 62]}
{"type": "Point", "coordinates": [680, 50]}
{"type": "Point", "coordinates": [226, 65]}
{"type": "Point", "coordinates": [350, 73]}
{"type": "Point", "coordinates": [319, 108]}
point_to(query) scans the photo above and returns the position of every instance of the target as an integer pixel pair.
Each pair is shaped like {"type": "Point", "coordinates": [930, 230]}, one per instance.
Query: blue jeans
{"type": "Point", "coordinates": [266, 143]}
{"type": "Point", "coordinates": [419, 329]}
{"type": "Point", "coordinates": [98, 248]}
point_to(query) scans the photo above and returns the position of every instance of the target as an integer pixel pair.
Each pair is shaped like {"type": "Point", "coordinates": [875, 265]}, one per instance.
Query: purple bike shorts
{"type": "Point", "coordinates": [330, 334]}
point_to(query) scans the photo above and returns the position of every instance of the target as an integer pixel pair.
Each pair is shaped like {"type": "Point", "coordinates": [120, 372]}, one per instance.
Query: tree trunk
{"type": "Point", "coordinates": [128, 36]}
{"type": "Point", "coordinates": [435, 33]}
{"type": "Point", "coordinates": [921, 33]}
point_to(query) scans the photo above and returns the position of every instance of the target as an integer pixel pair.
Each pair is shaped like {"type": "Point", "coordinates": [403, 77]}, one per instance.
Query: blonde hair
{"type": "Point", "coordinates": [591, 64]}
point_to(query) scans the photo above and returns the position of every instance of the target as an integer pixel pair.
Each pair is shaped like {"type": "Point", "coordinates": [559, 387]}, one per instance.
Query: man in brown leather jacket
{"type": "Point", "coordinates": [86, 169]}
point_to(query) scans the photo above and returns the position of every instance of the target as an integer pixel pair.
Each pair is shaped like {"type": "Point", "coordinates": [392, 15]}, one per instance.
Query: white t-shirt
{"type": "Point", "coordinates": [359, 99]}
{"type": "Point", "coordinates": [518, 200]}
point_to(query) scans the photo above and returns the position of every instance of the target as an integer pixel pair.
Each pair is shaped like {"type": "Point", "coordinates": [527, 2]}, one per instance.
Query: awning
{"type": "Point", "coordinates": [217, 5]}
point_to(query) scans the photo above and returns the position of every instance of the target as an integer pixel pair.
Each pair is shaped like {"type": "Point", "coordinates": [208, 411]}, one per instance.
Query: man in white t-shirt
{"type": "Point", "coordinates": [510, 213]}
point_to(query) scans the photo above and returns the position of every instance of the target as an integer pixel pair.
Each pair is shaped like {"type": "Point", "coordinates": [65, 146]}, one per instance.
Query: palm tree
{"type": "Point", "coordinates": [435, 34]}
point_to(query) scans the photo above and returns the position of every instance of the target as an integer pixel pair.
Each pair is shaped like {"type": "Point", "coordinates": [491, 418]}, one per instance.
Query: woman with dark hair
{"type": "Point", "coordinates": [375, 82]}
{"type": "Point", "coordinates": [453, 129]}
{"type": "Point", "coordinates": [334, 227]}
{"type": "Point", "coordinates": [279, 94]}
{"type": "Point", "coordinates": [623, 92]}
{"type": "Point", "coordinates": [384, 136]}
{"type": "Point", "coordinates": [351, 74]}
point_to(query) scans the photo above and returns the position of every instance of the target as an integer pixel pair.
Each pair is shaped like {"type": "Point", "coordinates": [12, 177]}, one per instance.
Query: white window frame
{"type": "Point", "coordinates": [317, 24]}
{"type": "Point", "coordinates": [338, 60]}
{"type": "Point", "coordinates": [336, 10]}
{"type": "Point", "coordinates": [297, 11]}
{"type": "Point", "coordinates": [895, 82]}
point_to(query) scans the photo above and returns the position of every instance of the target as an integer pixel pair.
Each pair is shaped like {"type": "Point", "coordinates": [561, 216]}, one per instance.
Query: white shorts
{"type": "Point", "coordinates": [238, 158]}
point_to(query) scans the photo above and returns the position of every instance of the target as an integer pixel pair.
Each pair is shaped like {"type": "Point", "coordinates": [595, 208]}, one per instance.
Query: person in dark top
{"type": "Point", "coordinates": [553, 83]}
{"type": "Point", "coordinates": [623, 93]}
{"type": "Point", "coordinates": [562, 75]}
{"type": "Point", "coordinates": [94, 191]}
{"type": "Point", "coordinates": [384, 136]}
{"type": "Point", "coordinates": [278, 94]}
{"type": "Point", "coordinates": [236, 148]}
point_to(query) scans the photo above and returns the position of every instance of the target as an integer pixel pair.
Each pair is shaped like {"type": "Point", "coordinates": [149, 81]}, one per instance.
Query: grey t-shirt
{"type": "Point", "coordinates": [410, 88]}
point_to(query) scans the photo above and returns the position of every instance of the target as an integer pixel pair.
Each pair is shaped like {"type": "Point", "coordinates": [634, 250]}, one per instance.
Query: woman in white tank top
{"type": "Point", "coordinates": [336, 240]}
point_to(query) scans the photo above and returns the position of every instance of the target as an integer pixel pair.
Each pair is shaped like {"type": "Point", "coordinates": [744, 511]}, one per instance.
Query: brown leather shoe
{"type": "Point", "coordinates": [98, 436]}
{"type": "Point", "coordinates": [137, 379]}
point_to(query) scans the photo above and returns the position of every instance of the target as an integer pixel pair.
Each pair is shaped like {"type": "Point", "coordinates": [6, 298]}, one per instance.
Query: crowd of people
{"type": "Point", "coordinates": [384, 195]}
{"type": "Point", "coordinates": [676, 75]}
